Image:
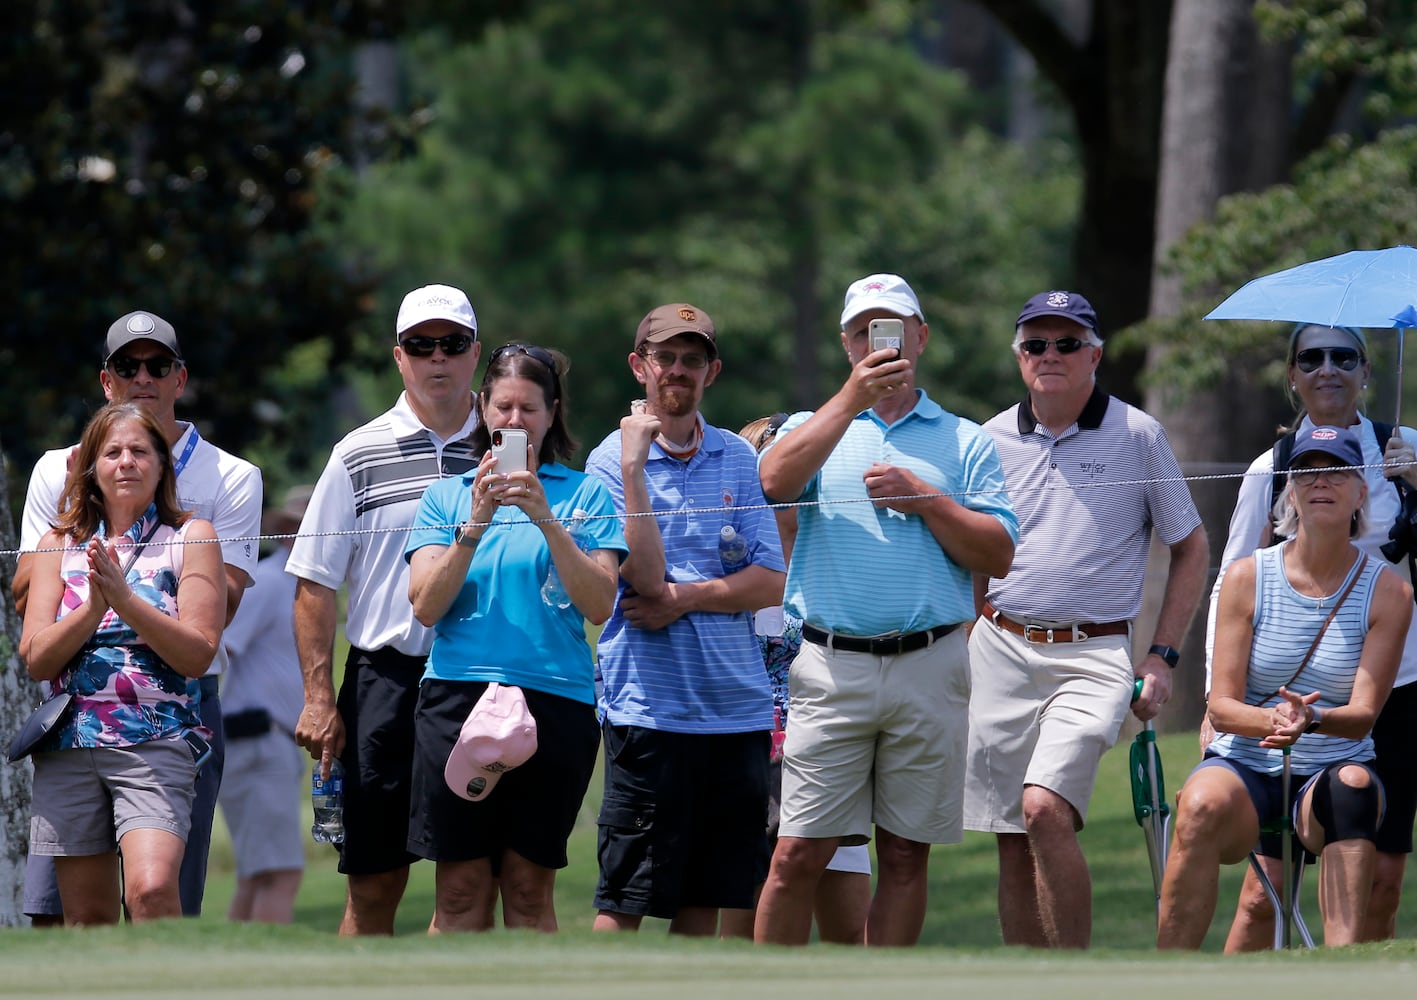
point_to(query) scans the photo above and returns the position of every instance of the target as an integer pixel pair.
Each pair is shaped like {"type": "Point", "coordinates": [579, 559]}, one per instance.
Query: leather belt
{"type": "Point", "coordinates": [1077, 632]}
{"type": "Point", "coordinates": [891, 644]}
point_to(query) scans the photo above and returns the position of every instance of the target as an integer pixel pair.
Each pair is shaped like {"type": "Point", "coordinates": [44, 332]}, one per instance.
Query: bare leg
{"type": "Point", "coordinates": [695, 921]}
{"type": "Point", "coordinates": [528, 894]}
{"type": "Point", "coordinates": [898, 909]}
{"type": "Point", "coordinates": [737, 923]}
{"type": "Point", "coordinates": [1216, 824]}
{"type": "Point", "coordinates": [371, 902]}
{"type": "Point", "coordinates": [1253, 926]}
{"type": "Point", "coordinates": [1381, 921]}
{"type": "Point", "coordinates": [266, 897]}
{"type": "Point", "coordinates": [88, 887]}
{"type": "Point", "coordinates": [462, 896]}
{"type": "Point", "coordinates": [842, 906]}
{"type": "Point", "coordinates": [151, 862]}
{"type": "Point", "coordinates": [606, 920]}
{"type": "Point", "coordinates": [785, 909]}
{"type": "Point", "coordinates": [1346, 867]}
{"type": "Point", "coordinates": [1019, 920]}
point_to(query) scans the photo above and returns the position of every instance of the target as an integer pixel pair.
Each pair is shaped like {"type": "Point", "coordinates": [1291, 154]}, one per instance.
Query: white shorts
{"type": "Point", "coordinates": [876, 739]}
{"type": "Point", "coordinates": [853, 860]}
{"type": "Point", "coordinates": [1041, 714]}
{"type": "Point", "coordinates": [262, 799]}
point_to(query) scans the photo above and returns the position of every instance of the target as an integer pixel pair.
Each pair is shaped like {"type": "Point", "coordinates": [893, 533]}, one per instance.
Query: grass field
{"type": "Point", "coordinates": [960, 950]}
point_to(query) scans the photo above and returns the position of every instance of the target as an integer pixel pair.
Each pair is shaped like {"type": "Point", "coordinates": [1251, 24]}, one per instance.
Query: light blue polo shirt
{"type": "Point", "coordinates": [704, 672]}
{"type": "Point", "coordinates": [499, 628]}
{"type": "Point", "coordinates": [863, 570]}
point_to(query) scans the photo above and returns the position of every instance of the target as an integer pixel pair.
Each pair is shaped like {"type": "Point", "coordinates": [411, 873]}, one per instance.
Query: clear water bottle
{"type": "Point", "coordinates": [553, 592]}
{"type": "Point", "coordinates": [328, 798]}
{"type": "Point", "coordinates": [732, 549]}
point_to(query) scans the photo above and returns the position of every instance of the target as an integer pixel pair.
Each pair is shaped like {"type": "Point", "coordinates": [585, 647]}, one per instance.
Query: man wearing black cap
{"type": "Point", "coordinates": [1050, 657]}
{"type": "Point", "coordinates": [142, 363]}
{"type": "Point", "coordinates": [685, 701]}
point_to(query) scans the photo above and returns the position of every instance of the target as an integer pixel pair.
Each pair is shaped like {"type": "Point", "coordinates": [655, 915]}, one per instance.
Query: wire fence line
{"type": "Point", "coordinates": [1221, 473]}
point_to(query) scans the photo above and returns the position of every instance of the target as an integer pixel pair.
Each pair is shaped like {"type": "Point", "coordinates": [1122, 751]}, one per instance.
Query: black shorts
{"type": "Point", "coordinates": [532, 808]}
{"type": "Point", "coordinates": [682, 821]}
{"type": "Point", "coordinates": [1395, 743]}
{"type": "Point", "coordinates": [376, 702]}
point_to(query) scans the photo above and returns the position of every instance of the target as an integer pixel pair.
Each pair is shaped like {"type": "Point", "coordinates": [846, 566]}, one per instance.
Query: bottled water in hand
{"type": "Point", "coordinates": [732, 549]}
{"type": "Point", "coordinates": [328, 798]}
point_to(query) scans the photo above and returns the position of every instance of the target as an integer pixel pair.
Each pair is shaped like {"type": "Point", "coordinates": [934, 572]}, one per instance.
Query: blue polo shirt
{"type": "Point", "coordinates": [704, 672]}
{"type": "Point", "coordinates": [499, 628]}
{"type": "Point", "coordinates": [860, 569]}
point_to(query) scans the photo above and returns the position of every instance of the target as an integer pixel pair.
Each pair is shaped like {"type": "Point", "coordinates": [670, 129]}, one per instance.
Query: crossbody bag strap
{"type": "Point", "coordinates": [138, 548]}
{"type": "Point", "coordinates": [1353, 582]}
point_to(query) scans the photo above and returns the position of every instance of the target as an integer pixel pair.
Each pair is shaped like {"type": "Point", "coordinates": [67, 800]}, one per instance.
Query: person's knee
{"type": "Point", "coordinates": [1347, 804]}
{"type": "Point", "coordinates": [151, 899]}
{"type": "Point", "coordinates": [798, 858]}
{"type": "Point", "coordinates": [1046, 813]}
{"type": "Point", "coordinates": [528, 894]}
{"type": "Point", "coordinates": [1202, 811]}
{"type": "Point", "coordinates": [375, 892]}
{"type": "Point", "coordinates": [901, 859]}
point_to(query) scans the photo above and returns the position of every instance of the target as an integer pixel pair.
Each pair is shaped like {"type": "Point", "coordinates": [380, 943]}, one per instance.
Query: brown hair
{"type": "Point", "coordinates": [82, 506]}
{"type": "Point", "coordinates": [535, 364]}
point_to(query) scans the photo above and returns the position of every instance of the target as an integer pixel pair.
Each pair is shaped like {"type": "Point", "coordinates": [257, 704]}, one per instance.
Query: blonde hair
{"type": "Point", "coordinates": [1286, 516]}
{"type": "Point", "coordinates": [759, 433]}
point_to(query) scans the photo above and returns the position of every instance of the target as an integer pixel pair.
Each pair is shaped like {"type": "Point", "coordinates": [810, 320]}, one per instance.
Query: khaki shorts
{"type": "Point", "coordinates": [84, 801]}
{"type": "Point", "coordinates": [262, 799]}
{"type": "Point", "coordinates": [876, 739]}
{"type": "Point", "coordinates": [1041, 714]}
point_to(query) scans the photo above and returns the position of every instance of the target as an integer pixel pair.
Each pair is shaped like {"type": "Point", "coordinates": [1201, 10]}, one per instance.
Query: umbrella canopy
{"type": "Point", "coordinates": [1369, 289]}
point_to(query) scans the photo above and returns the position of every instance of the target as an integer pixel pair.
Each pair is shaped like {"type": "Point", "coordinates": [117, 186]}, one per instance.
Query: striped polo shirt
{"type": "Point", "coordinates": [1087, 502]}
{"type": "Point", "coordinates": [1285, 623]}
{"type": "Point", "coordinates": [860, 569]}
{"type": "Point", "coordinates": [374, 479]}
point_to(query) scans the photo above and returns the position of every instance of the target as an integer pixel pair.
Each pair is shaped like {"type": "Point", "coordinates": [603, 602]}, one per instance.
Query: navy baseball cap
{"type": "Point", "coordinates": [1069, 305]}
{"type": "Point", "coordinates": [1336, 442]}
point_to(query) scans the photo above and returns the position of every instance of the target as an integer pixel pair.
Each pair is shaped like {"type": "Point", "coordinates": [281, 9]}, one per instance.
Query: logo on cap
{"type": "Point", "coordinates": [1324, 434]}
{"type": "Point", "coordinates": [1058, 300]}
{"type": "Point", "coordinates": [687, 315]}
{"type": "Point", "coordinates": [875, 286]}
{"type": "Point", "coordinates": [141, 323]}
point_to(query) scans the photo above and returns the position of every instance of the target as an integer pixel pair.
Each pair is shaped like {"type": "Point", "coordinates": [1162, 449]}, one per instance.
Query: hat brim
{"type": "Point", "coordinates": [664, 336]}
{"type": "Point", "coordinates": [1025, 317]}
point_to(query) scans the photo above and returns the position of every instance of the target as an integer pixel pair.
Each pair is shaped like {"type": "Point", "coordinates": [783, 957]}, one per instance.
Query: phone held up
{"type": "Point", "coordinates": [886, 335]}
{"type": "Point", "coordinates": [509, 448]}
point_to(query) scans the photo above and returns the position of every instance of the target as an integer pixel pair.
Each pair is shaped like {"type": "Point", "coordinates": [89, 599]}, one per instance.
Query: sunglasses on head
{"type": "Point", "coordinates": [1311, 359]}
{"type": "Point", "coordinates": [1037, 345]}
{"type": "Point", "coordinates": [126, 367]}
{"type": "Point", "coordinates": [540, 354]}
{"type": "Point", "coordinates": [423, 347]}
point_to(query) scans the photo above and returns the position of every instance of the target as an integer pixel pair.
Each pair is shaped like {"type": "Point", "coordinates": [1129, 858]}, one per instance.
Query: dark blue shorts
{"type": "Point", "coordinates": [1395, 743]}
{"type": "Point", "coordinates": [681, 824]}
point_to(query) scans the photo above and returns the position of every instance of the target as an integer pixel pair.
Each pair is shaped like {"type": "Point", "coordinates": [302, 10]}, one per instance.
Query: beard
{"type": "Point", "coordinates": [675, 399]}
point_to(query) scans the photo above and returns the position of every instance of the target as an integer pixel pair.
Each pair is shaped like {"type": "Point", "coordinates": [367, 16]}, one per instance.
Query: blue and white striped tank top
{"type": "Point", "coordinates": [1285, 624]}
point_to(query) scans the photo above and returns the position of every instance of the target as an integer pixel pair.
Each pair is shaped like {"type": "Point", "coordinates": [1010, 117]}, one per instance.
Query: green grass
{"type": "Point", "coordinates": [960, 951]}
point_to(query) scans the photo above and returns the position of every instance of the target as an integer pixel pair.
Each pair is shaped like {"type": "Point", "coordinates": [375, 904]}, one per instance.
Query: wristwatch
{"type": "Point", "coordinates": [1318, 720]}
{"type": "Point", "coordinates": [1170, 654]}
{"type": "Point", "coordinates": [461, 537]}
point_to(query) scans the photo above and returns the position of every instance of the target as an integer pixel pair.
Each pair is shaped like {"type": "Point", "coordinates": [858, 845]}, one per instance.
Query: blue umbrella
{"type": "Point", "coordinates": [1369, 289]}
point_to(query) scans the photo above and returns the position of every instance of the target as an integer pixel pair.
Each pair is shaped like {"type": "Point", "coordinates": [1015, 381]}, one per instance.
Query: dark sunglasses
{"type": "Point", "coordinates": [423, 347]}
{"type": "Point", "coordinates": [126, 367]}
{"type": "Point", "coordinates": [1345, 359]}
{"type": "Point", "coordinates": [1037, 345]}
{"type": "Point", "coordinates": [540, 354]}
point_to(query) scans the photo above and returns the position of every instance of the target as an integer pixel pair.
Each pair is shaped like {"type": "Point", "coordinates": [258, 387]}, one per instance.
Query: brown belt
{"type": "Point", "coordinates": [1076, 632]}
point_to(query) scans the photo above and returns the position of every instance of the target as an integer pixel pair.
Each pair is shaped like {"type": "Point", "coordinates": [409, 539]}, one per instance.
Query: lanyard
{"type": "Point", "coordinates": [181, 462]}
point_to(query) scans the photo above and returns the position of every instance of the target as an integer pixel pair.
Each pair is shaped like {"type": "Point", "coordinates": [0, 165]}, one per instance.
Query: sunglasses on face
{"type": "Point", "coordinates": [666, 359]}
{"type": "Point", "coordinates": [540, 354]}
{"type": "Point", "coordinates": [1312, 474]}
{"type": "Point", "coordinates": [1038, 346]}
{"type": "Point", "coordinates": [126, 367]}
{"type": "Point", "coordinates": [1345, 359]}
{"type": "Point", "coordinates": [423, 347]}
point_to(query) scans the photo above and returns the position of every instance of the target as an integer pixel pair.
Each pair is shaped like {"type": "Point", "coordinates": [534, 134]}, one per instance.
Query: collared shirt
{"type": "Point", "coordinates": [375, 478]}
{"type": "Point", "coordinates": [704, 672]}
{"type": "Point", "coordinates": [1087, 502]}
{"type": "Point", "coordinates": [860, 569]}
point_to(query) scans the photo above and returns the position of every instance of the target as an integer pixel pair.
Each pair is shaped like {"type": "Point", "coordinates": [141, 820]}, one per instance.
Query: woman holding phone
{"type": "Point", "coordinates": [507, 563]}
{"type": "Point", "coordinates": [125, 618]}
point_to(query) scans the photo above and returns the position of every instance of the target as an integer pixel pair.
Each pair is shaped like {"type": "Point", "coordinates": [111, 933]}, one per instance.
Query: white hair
{"type": "Point", "coordinates": [1286, 517]}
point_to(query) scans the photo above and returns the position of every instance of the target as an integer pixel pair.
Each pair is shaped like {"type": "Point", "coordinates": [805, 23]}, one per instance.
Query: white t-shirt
{"type": "Point", "coordinates": [371, 486]}
{"type": "Point", "coordinates": [214, 484]}
{"type": "Point", "coordinates": [264, 671]}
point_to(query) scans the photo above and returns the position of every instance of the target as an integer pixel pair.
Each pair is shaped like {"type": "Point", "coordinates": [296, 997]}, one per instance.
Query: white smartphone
{"type": "Point", "coordinates": [886, 334]}
{"type": "Point", "coordinates": [509, 448]}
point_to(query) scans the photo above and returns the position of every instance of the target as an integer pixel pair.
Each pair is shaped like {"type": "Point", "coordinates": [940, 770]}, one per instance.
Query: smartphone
{"type": "Point", "coordinates": [887, 334]}
{"type": "Point", "coordinates": [509, 448]}
{"type": "Point", "coordinates": [201, 749]}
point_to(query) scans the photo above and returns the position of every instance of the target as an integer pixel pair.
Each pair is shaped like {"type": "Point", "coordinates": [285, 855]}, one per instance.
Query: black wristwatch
{"type": "Point", "coordinates": [461, 537]}
{"type": "Point", "coordinates": [1170, 654]}
{"type": "Point", "coordinates": [1318, 719]}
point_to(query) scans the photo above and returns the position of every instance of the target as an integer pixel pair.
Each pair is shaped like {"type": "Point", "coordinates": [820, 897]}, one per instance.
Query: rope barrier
{"type": "Point", "coordinates": [702, 511]}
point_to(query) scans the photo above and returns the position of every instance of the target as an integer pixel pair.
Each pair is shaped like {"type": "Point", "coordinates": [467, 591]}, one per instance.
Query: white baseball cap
{"type": "Point", "coordinates": [435, 302]}
{"type": "Point", "coordinates": [880, 291]}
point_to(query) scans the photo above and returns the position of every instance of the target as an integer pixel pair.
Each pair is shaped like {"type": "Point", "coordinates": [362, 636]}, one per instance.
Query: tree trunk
{"type": "Point", "coordinates": [18, 694]}
{"type": "Point", "coordinates": [1222, 84]}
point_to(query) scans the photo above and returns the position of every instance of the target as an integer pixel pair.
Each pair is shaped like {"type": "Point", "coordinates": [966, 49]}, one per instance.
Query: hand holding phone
{"type": "Point", "coordinates": [509, 446]}
{"type": "Point", "coordinates": [887, 335]}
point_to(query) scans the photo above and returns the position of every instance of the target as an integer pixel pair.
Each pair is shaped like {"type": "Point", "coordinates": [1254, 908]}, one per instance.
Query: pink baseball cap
{"type": "Point", "coordinates": [499, 734]}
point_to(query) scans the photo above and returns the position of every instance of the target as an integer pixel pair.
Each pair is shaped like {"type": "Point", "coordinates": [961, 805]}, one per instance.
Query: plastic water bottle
{"type": "Point", "coordinates": [328, 799]}
{"type": "Point", "coordinates": [732, 549]}
{"type": "Point", "coordinates": [553, 592]}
